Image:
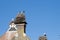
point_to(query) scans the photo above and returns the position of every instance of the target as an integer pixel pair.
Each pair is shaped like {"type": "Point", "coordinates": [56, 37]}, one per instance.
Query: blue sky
{"type": "Point", "coordinates": [41, 16]}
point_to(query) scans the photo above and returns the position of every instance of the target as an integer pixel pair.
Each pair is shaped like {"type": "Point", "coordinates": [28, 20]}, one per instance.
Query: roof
{"type": "Point", "coordinates": [20, 18]}
{"type": "Point", "coordinates": [43, 37]}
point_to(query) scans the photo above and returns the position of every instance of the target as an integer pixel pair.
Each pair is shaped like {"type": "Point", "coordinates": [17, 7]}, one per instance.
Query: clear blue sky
{"type": "Point", "coordinates": [41, 16]}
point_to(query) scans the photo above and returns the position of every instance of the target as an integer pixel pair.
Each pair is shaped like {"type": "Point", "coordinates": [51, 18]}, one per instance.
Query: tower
{"type": "Point", "coordinates": [43, 37]}
{"type": "Point", "coordinates": [20, 23]}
